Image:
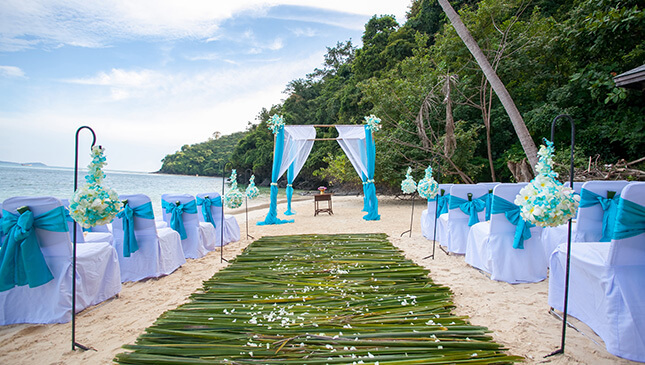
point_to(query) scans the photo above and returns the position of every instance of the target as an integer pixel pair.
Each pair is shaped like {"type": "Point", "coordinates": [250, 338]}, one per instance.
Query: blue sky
{"type": "Point", "coordinates": [152, 75]}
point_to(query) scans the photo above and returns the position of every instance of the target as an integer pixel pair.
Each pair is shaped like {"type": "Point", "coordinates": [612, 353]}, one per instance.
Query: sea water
{"type": "Point", "coordinates": [59, 182]}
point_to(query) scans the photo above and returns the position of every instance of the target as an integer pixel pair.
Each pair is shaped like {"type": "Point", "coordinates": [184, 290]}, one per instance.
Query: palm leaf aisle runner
{"type": "Point", "coordinates": [317, 299]}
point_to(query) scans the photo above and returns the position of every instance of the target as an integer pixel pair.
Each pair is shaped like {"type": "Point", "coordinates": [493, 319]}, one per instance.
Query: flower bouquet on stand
{"type": "Point", "coordinates": [428, 187]}
{"type": "Point", "coordinates": [234, 196]}
{"type": "Point", "coordinates": [545, 201]}
{"type": "Point", "coordinates": [92, 204]}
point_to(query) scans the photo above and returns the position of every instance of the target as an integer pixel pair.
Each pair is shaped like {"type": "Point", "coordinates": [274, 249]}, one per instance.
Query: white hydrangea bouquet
{"type": "Point", "coordinates": [252, 191]}
{"type": "Point", "coordinates": [92, 204]}
{"type": "Point", "coordinates": [408, 186]}
{"type": "Point", "coordinates": [234, 196]}
{"type": "Point", "coordinates": [545, 202]}
{"type": "Point", "coordinates": [428, 186]}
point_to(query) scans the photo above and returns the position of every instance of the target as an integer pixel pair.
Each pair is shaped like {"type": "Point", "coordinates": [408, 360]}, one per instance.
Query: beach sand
{"type": "Point", "coordinates": [517, 315]}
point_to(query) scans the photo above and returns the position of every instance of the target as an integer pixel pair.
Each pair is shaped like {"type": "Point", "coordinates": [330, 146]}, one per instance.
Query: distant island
{"type": "Point", "coordinates": [32, 164]}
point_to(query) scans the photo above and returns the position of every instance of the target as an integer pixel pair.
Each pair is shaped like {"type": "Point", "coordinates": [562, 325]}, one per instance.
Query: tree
{"type": "Point", "coordinates": [507, 101]}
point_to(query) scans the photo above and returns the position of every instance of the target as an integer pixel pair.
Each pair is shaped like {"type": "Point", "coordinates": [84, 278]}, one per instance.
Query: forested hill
{"type": "Point", "coordinates": [437, 107]}
{"type": "Point", "coordinates": [204, 158]}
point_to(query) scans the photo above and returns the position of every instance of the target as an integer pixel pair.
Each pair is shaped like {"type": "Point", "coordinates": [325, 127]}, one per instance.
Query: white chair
{"type": "Point", "coordinates": [590, 216]}
{"type": "Point", "coordinates": [490, 186]}
{"type": "Point", "coordinates": [606, 280]}
{"type": "Point", "coordinates": [442, 213]}
{"type": "Point", "coordinates": [157, 251]}
{"type": "Point", "coordinates": [97, 268]}
{"type": "Point", "coordinates": [231, 228]}
{"type": "Point", "coordinates": [467, 206]}
{"type": "Point", "coordinates": [427, 219]}
{"type": "Point", "coordinates": [180, 212]}
{"type": "Point", "coordinates": [490, 244]}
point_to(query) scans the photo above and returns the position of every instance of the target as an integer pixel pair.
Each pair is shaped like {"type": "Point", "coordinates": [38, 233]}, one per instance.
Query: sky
{"type": "Point", "coordinates": [149, 76]}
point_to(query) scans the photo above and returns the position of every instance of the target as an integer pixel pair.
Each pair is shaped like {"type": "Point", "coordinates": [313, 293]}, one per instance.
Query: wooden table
{"type": "Point", "coordinates": [322, 198]}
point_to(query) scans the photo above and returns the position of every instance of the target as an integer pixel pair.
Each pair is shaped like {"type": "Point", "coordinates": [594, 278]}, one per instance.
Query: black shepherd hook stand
{"type": "Point", "coordinates": [221, 225]}
{"type": "Point", "coordinates": [74, 343]}
{"type": "Point", "coordinates": [246, 206]}
{"type": "Point", "coordinates": [566, 280]}
{"type": "Point", "coordinates": [411, 216]}
{"type": "Point", "coordinates": [436, 215]}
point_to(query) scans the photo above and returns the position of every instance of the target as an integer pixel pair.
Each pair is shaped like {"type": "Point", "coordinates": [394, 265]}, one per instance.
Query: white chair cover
{"type": "Point", "coordinates": [606, 286]}
{"type": "Point", "coordinates": [457, 229]}
{"type": "Point", "coordinates": [427, 220]}
{"type": "Point", "coordinates": [160, 251]}
{"type": "Point", "coordinates": [588, 224]}
{"type": "Point", "coordinates": [490, 246]}
{"type": "Point", "coordinates": [231, 227]}
{"type": "Point", "coordinates": [589, 227]}
{"type": "Point", "coordinates": [442, 220]}
{"type": "Point", "coordinates": [97, 278]}
{"type": "Point", "coordinates": [199, 238]}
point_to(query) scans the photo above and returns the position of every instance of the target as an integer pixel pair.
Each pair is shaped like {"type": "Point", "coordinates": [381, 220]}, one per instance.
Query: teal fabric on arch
{"type": "Point", "coordinates": [512, 212]}
{"type": "Point", "coordinates": [471, 208]}
{"type": "Point", "coordinates": [21, 261]}
{"type": "Point", "coordinates": [372, 202]}
{"type": "Point", "coordinates": [128, 213]}
{"type": "Point", "coordinates": [609, 206]}
{"type": "Point", "coordinates": [206, 204]}
{"type": "Point", "coordinates": [272, 216]}
{"type": "Point", "coordinates": [365, 202]}
{"type": "Point", "coordinates": [290, 178]}
{"type": "Point", "coordinates": [176, 212]}
{"type": "Point", "coordinates": [630, 220]}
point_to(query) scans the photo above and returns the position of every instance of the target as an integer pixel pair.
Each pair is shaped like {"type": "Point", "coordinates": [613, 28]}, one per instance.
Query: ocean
{"type": "Point", "coordinates": [59, 182]}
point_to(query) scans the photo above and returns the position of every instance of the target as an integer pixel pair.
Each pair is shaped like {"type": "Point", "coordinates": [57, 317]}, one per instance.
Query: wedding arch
{"type": "Point", "coordinates": [293, 144]}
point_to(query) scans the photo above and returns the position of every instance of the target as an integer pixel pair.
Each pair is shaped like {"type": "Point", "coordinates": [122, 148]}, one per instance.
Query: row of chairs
{"type": "Point", "coordinates": [607, 252]}
{"type": "Point", "coordinates": [36, 255]}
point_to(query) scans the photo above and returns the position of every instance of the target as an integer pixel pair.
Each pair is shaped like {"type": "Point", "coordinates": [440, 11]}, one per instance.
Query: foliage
{"type": "Point", "coordinates": [205, 158]}
{"type": "Point", "coordinates": [554, 57]}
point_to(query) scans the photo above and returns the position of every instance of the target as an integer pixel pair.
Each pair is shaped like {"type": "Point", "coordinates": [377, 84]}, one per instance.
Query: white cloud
{"type": "Point", "coordinates": [11, 71]}
{"type": "Point", "coordinates": [304, 32]}
{"type": "Point", "coordinates": [95, 23]}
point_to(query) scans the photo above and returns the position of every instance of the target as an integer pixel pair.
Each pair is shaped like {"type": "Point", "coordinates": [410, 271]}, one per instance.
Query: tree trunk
{"type": "Point", "coordinates": [518, 123]}
{"type": "Point", "coordinates": [450, 142]}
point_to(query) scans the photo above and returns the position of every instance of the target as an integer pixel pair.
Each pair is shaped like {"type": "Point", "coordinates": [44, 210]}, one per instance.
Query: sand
{"type": "Point", "coordinates": [517, 314]}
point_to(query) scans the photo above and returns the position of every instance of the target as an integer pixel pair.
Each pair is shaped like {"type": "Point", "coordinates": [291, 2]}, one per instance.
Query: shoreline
{"type": "Point", "coordinates": [516, 314]}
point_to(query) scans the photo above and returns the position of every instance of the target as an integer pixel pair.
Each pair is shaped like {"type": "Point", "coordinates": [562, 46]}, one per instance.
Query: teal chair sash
{"type": "Point", "coordinates": [206, 204]}
{"type": "Point", "coordinates": [442, 204]}
{"type": "Point", "coordinates": [21, 261]}
{"type": "Point", "coordinates": [469, 207]}
{"type": "Point", "coordinates": [609, 207]}
{"type": "Point", "coordinates": [176, 212]}
{"type": "Point", "coordinates": [630, 219]}
{"type": "Point", "coordinates": [128, 213]}
{"type": "Point", "coordinates": [489, 203]}
{"type": "Point", "coordinates": [512, 213]}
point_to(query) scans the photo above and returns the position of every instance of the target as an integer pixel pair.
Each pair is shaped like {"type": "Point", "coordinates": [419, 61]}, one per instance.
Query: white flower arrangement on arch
{"type": "Point", "coordinates": [408, 186]}
{"type": "Point", "coordinates": [545, 201]}
{"type": "Point", "coordinates": [428, 186]}
{"type": "Point", "coordinates": [373, 123]}
{"type": "Point", "coordinates": [92, 204]}
{"type": "Point", "coordinates": [276, 122]}
{"type": "Point", "coordinates": [234, 197]}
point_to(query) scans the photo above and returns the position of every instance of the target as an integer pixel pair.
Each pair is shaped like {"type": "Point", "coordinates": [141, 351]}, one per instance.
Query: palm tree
{"type": "Point", "coordinates": [518, 123]}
